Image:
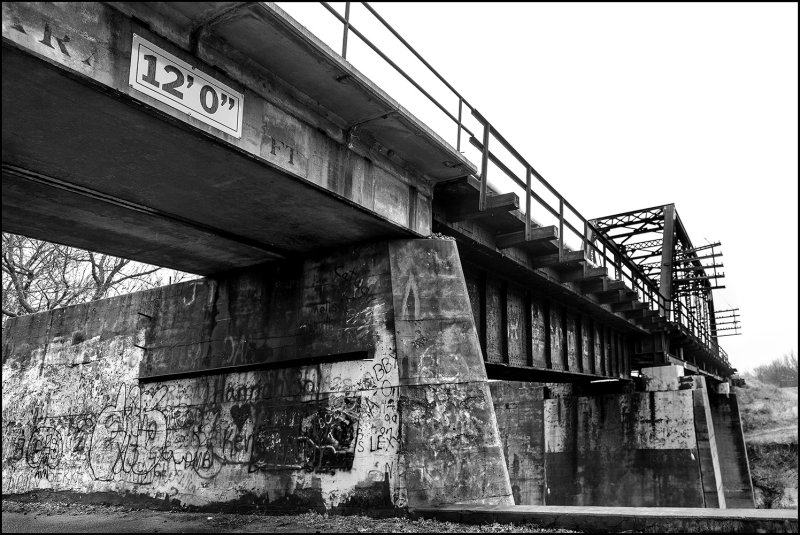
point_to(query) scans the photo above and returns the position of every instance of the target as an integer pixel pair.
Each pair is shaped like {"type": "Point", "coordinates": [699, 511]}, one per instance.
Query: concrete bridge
{"type": "Point", "coordinates": [335, 355]}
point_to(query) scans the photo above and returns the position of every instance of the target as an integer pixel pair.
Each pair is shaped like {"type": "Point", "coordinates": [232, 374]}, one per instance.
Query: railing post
{"type": "Point", "coordinates": [560, 228]}
{"type": "Point", "coordinates": [528, 204]}
{"type": "Point", "coordinates": [346, 29]}
{"type": "Point", "coordinates": [585, 237]}
{"type": "Point", "coordinates": [484, 167]}
{"type": "Point", "coordinates": [458, 137]}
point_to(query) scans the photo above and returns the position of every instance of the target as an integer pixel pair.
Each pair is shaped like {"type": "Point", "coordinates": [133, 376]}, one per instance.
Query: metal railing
{"type": "Point", "coordinates": [596, 247]}
{"type": "Point", "coordinates": [680, 314]}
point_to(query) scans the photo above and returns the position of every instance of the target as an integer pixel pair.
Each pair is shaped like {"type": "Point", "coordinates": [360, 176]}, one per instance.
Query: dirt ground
{"type": "Point", "coordinates": [43, 517]}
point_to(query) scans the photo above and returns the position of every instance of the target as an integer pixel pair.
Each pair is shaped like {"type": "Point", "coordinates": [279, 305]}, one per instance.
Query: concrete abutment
{"type": "Point", "coordinates": [351, 380]}
{"type": "Point", "coordinates": [354, 380]}
{"type": "Point", "coordinates": [671, 443]}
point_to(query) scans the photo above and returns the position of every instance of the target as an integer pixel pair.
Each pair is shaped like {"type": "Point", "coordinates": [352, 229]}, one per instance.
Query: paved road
{"type": "Point", "coordinates": [113, 523]}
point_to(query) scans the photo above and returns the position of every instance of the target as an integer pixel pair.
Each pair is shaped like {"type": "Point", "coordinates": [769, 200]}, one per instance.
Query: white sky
{"type": "Point", "coordinates": [625, 106]}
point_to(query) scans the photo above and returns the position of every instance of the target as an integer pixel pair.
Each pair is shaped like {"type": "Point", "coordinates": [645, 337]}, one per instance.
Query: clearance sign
{"type": "Point", "coordinates": [159, 74]}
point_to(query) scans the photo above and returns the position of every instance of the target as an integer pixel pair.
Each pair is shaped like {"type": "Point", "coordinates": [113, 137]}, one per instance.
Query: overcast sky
{"type": "Point", "coordinates": [625, 106]}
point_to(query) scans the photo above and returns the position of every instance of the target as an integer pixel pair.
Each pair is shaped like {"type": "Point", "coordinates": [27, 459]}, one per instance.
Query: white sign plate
{"type": "Point", "coordinates": [159, 74]}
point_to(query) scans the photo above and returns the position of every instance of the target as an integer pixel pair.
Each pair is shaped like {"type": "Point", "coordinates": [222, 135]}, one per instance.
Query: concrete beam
{"type": "Point", "coordinates": [292, 183]}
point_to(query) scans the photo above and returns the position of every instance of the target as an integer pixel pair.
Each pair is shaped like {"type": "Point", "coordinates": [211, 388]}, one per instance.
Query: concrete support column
{"type": "Point", "coordinates": [707, 446]}
{"type": "Point", "coordinates": [452, 447]}
{"type": "Point", "coordinates": [733, 461]}
{"type": "Point", "coordinates": [672, 377]}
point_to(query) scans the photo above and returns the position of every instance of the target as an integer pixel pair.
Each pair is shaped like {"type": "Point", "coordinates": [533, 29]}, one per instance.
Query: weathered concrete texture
{"type": "Point", "coordinates": [519, 408]}
{"type": "Point", "coordinates": [591, 445]}
{"type": "Point", "coordinates": [337, 305]}
{"type": "Point", "coordinates": [707, 446]}
{"type": "Point", "coordinates": [333, 433]}
{"type": "Point", "coordinates": [622, 450]}
{"type": "Point", "coordinates": [736, 482]}
{"type": "Point", "coordinates": [450, 432]}
{"type": "Point", "coordinates": [672, 377]}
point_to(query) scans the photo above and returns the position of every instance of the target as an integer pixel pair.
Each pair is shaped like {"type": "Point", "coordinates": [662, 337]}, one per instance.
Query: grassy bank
{"type": "Point", "coordinates": [769, 420]}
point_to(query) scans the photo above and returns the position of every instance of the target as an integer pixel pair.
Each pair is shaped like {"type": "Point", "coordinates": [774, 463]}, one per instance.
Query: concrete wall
{"type": "Point", "coordinates": [634, 449]}
{"type": "Point", "coordinates": [568, 446]}
{"type": "Point", "coordinates": [519, 408]}
{"type": "Point", "coordinates": [349, 381]}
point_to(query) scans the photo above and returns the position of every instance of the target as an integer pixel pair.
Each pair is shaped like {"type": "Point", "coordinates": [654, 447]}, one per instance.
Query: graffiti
{"type": "Point", "coordinates": [383, 368]}
{"type": "Point", "coordinates": [129, 438]}
{"type": "Point", "coordinates": [240, 414]}
{"type": "Point", "coordinates": [347, 307]}
{"type": "Point", "coordinates": [208, 437]}
{"type": "Point", "coordinates": [538, 334]}
{"type": "Point", "coordinates": [438, 263]}
{"type": "Point", "coordinates": [45, 448]}
{"type": "Point", "coordinates": [239, 351]}
{"type": "Point", "coordinates": [328, 436]}
{"type": "Point", "coordinates": [598, 351]}
{"type": "Point", "coordinates": [311, 436]}
{"type": "Point", "coordinates": [494, 323]}
{"type": "Point", "coordinates": [351, 284]}
{"type": "Point", "coordinates": [411, 297]}
{"type": "Point", "coordinates": [13, 442]}
{"type": "Point", "coordinates": [383, 429]}
{"type": "Point", "coordinates": [557, 349]}
{"type": "Point", "coordinates": [193, 286]}
{"type": "Point", "coordinates": [183, 433]}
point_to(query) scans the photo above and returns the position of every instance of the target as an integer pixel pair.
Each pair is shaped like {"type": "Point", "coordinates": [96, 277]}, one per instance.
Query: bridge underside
{"type": "Point", "coordinates": [89, 168]}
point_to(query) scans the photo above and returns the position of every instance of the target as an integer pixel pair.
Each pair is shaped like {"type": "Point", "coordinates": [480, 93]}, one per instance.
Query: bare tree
{"type": "Point", "coordinates": [39, 275]}
{"type": "Point", "coordinates": [780, 372]}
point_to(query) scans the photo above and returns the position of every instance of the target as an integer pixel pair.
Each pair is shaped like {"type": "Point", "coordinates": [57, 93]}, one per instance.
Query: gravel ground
{"type": "Point", "coordinates": [30, 517]}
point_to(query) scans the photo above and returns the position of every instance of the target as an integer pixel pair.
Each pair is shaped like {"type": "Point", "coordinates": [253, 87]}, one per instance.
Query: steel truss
{"type": "Point", "coordinates": [655, 239]}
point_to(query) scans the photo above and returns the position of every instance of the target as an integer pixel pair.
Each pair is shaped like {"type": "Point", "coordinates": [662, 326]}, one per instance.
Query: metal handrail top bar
{"type": "Point", "coordinates": [369, 43]}
{"type": "Point", "coordinates": [417, 54]}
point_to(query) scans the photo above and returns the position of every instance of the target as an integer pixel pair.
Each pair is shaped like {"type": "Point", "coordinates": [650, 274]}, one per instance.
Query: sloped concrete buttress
{"type": "Point", "coordinates": [449, 426]}
{"type": "Point", "coordinates": [736, 481]}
